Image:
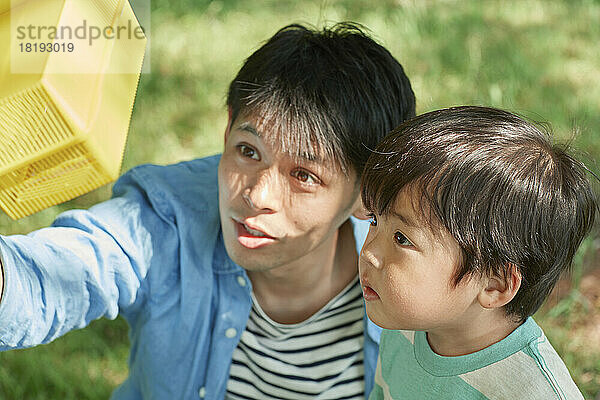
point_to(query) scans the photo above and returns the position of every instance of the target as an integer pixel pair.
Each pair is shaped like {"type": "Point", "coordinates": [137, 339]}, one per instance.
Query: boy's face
{"type": "Point", "coordinates": [275, 209]}
{"type": "Point", "coordinates": [406, 272]}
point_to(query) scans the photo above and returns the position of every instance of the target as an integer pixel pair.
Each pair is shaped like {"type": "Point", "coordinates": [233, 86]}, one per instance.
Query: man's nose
{"type": "Point", "coordinates": [266, 194]}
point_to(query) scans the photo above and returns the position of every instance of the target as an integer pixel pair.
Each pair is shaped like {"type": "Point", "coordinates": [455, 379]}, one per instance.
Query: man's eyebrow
{"type": "Point", "coordinates": [310, 157]}
{"type": "Point", "coordinates": [250, 129]}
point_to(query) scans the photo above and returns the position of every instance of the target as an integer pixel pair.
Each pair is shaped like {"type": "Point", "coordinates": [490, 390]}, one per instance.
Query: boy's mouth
{"type": "Point", "coordinates": [369, 294]}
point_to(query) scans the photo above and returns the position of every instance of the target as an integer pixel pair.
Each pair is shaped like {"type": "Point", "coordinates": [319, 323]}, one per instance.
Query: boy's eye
{"type": "Point", "coordinates": [372, 219]}
{"type": "Point", "coordinates": [402, 240]}
{"type": "Point", "coordinates": [305, 177]}
{"type": "Point", "coordinates": [247, 151]}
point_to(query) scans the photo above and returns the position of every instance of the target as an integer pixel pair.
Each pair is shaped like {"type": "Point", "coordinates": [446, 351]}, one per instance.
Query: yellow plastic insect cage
{"type": "Point", "coordinates": [67, 87]}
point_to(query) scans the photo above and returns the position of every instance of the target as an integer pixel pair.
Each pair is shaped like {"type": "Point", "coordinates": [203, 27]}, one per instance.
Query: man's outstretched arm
{"type": "Point", "coordinates": [89, 264]}
{"type": "Point", "coordinates": [1, 279]}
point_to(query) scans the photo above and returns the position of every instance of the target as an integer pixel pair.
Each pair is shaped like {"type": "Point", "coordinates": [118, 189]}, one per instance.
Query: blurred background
{"type": "Point", "coordinates": [538, 58]}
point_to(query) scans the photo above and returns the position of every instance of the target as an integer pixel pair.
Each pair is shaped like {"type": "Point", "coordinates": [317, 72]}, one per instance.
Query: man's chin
{"type": "Point", "coordinates": [254, 264]}
{"type": "Point", "coordinates": [250, 259]}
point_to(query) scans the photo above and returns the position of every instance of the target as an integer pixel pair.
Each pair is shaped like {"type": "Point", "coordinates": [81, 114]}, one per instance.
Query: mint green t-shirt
{"type": "Point", "coordinates": [524, 365]}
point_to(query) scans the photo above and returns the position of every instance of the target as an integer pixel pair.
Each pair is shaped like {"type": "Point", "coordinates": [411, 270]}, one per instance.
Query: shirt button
{"type": "Point", "coordinates": [230, 333]}
{"type": "Point", "coordinates": [241, 281]}
{"type": "Point", "coordinates": [202, 392]}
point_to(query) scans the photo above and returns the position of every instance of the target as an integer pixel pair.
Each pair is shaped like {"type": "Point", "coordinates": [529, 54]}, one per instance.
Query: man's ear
{"type": "Point", "coordinates": [229, 122]}
{"type": "Point", "coordinates": [499, 291]}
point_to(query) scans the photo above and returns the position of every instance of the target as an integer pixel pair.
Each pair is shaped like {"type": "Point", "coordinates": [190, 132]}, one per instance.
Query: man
{"type": "Point", "coordinates": [236, 273]}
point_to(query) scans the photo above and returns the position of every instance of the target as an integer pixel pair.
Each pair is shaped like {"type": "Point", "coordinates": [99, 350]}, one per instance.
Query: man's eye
{"type": "Point", "coordinates": [372, 219]}
{"type": "Point", "coordinates": [247, 151]}
{"type": "Point", "coordinates": [402, 240]}
{"type": "Point", "coordinates": [305, 177]}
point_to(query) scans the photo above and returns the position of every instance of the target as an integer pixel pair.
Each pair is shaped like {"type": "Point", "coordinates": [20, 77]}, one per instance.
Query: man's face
{"type": "Point", "coordinates": [276, 209]}
{"type": "Point", "coordinates": [407, 273]}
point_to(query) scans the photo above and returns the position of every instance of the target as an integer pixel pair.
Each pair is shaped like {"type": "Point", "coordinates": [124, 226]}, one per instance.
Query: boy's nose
{"type": "Point", "coordinates": [367, 256]}
{"type": "Point", "coordinates": [372, 250]}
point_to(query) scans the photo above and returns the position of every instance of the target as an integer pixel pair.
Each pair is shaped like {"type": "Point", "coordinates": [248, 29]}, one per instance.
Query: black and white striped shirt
{"type": "Point", "coordinates": [320, 358]}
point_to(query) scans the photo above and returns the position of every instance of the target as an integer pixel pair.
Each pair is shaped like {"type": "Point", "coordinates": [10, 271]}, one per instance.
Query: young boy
{"type": "Point", "coordinates": [475, 215]}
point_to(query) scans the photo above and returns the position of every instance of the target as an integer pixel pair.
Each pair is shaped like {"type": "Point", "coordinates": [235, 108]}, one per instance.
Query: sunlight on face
{"type": "Point", "coordinates": [407, 272]}
{"type": "Point", "coordinates": [276, 209]}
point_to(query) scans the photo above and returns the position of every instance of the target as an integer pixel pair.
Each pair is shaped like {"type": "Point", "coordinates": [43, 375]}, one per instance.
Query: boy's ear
{"type": "Point", "coordinates": [229, 122]}
{"type": "Point", "coordinates": [499, 291]}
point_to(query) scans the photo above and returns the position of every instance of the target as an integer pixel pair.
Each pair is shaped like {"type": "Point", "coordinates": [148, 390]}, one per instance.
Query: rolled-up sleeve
{"type": "Point", "coordinates": [88, 264]}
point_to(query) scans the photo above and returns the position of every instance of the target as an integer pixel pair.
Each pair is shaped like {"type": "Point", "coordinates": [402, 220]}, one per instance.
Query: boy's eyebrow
{"type": "Point", "coordinates": [405, 220]}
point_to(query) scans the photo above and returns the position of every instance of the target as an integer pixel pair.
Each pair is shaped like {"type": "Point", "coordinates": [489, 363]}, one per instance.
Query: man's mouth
{"type": "Point", "coordinates": [251, 237]}
{"type": "Point", "coordinates": [255, 232]}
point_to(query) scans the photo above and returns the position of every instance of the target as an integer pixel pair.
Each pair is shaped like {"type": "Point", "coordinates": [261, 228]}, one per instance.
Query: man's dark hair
{"type": "Point", "coordinates": [332, 93]}
{"type": "Point", "coordinates": [498, 184]}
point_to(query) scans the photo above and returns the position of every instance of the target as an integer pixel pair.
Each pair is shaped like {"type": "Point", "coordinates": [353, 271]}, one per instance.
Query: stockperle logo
{"type": "Point", "coordinates": [77, 36]}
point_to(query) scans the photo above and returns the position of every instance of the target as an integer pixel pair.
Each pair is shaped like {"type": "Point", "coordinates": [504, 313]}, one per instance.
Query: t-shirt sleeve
{"type": "Point", "coordinates": [378, 382]}
{"type": "Point", "coordinates": [376, 393]}
{"type": "Point", "coordinates": [88, 264]}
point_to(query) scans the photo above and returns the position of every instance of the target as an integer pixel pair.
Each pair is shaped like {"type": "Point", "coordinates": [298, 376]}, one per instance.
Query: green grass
{"type": "Point", "coordinates": [84, 364]}
{"type": "Point", "coordinates": [570, 320]}
{"type": "Point", "coordinates": [538, 58]}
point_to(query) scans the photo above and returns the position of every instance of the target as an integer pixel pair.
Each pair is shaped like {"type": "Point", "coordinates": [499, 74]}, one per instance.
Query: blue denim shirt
{"type": "Point", "coordinates": [155, 254]}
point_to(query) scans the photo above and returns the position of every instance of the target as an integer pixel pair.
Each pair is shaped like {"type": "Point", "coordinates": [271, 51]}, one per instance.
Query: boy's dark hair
{"type": "Point", "coordinates": [332, 93]}
{"type": "Point", "coordinates": [498, 185]}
